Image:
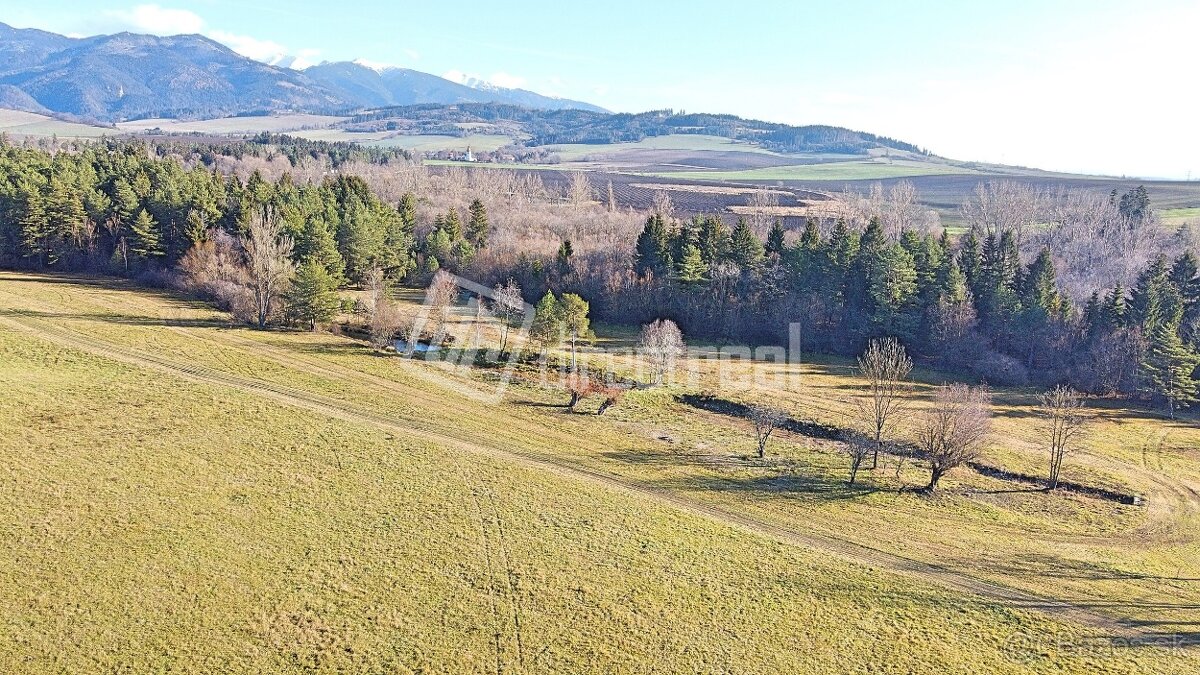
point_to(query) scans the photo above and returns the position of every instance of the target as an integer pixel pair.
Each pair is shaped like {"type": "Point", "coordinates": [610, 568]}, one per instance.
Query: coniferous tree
{"type": "Point", "coordinates": [745, 249]}
{"type": "Point", "coordinates": [691, 265]}
{"type": "Point", "coordinates": [653, 250]}
{"type": "Point", "coordinates": [147, 244]}
{"type": "Point", "coordinates": [1168, 367]}
{"type": "Point", "coordinates": [775, 239]}
{"type": "Point", "coordinates": [313, 297]}
{"type": "Point", "coordinates": [477, 226]}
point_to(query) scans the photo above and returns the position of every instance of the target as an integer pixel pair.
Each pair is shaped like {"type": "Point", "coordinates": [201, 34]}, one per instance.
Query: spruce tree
{"type": "Point", "coordinates": [1168, 367]}
{"type": "Point", "coordinates": [745, 249]}
{"type": "Point", "coordinates": [147, 243]}
{"type": "Point", "coordinates": [313, 296]}
{"type": "Point", "coordinates": [477, 226]}
{"type": "Point", "coordinates": [691, 265]}
{"type": "Point", "coordinates": [547, 326]}
{"type": "Point", "coordinates": [775, 239]}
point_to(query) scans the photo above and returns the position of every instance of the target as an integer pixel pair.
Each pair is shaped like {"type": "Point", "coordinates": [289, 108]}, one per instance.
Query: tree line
{"type": "Point", "coordinates": [969, 305]}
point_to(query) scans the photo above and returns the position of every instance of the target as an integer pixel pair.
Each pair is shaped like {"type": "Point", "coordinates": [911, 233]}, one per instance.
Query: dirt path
{"type": "Point", "coordinates": [936, 574]}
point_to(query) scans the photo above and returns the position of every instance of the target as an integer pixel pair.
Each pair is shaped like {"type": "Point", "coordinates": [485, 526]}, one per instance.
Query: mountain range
{"type": "Point", "coordinates": [130, 76]}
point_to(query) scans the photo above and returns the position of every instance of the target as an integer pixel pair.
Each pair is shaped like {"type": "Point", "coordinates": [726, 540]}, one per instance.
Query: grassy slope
{"type": "Point", "coordinates": [18, 123]}
{"type": "Point", "coordinates": [234, 125]}
{"type": "Point", "coordinates": [170, 472]}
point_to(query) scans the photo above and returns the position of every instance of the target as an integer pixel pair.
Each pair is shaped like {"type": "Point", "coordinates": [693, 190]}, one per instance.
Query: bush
{"type": "Point", "coordinates": [1001, 369]}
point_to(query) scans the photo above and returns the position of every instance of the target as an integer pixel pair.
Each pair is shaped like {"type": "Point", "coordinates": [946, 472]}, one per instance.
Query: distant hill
{"type": "Point", "coordinates": [381, 87]}
{"type": "Point", "coordinates": [130, 76]}
{"type": "Point", "coordinates": [554, 127]}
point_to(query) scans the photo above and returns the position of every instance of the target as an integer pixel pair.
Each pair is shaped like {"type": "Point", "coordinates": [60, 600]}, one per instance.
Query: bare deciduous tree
{"type": "Point", "coordinates": [269, 262]}
{"type": "Point", "coordinates": [953, 430]}
{"type": "Point", "coordinates": [579, 189]}
{"type": "Point", "coordinates": [661, 343]}
{"type": "Point", "coordinates": [886, 367]}
{"type": "Point", "coordinates": [439, 297]}
{"type": "Point", "coordinates": [858, 447]}
{"type": "Point", "coordinates": [764, 204]}
{"type": "Point", "coordinates": [766, 420]}
{"type": "Point", "coordinates": [1061, 407]}
{"type": "Point", "coordinates": [507, 304]}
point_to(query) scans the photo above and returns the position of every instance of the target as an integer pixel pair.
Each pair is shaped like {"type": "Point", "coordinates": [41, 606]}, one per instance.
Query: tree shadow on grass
{"type": "Point", "coordinates": [789, 486]}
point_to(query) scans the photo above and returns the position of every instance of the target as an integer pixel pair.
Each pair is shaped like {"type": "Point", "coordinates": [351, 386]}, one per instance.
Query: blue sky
{"type": "Point", "coordinates": [1094, 86]}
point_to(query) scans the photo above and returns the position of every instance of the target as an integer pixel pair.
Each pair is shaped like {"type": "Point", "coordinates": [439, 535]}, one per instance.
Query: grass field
{"type": "Point", "coordinates": [1177, 217]}
{"type": "Point", "coordinates": [234, 125]}
{"type": "Point", "coordinates": [17, 123]}
{"type": "Point", "coordinates": [181, 494]}
{"type": "Point", "coordinates": [573, 152]}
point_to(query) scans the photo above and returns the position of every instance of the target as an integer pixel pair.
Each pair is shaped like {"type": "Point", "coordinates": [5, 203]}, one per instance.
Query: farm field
{"type": "Point", "coordinates": [430, 143]}
{"type": "Point", "coordinates": [573, 152]}
{"type": "Point", "coordinates": [863, 169]}
{"type": "Point", "coordinates": [292, 499]}
{"type": "Point", "coordinates": [21, 124]}
{"type": "Point", "coordinates": [233, 125]}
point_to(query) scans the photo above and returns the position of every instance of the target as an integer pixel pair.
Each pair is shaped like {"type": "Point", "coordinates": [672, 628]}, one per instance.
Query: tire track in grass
{"type": "Point", "coordinates": [865, 555]}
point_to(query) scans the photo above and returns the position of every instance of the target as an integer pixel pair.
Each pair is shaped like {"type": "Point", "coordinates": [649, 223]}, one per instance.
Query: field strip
{"type": "Point", "coordinates": [947, 578]}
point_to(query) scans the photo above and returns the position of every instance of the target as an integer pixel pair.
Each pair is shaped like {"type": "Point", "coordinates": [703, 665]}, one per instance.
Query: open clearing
{"type": "Point", "coordinates": [179, 493]}
{"type": "Point", "coordinates": [429, 143]}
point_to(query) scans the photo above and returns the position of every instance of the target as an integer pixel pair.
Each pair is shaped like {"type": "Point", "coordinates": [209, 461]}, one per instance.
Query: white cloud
{"type": "Point", "coordinates": [507, 81]}
{"type": "Point", "coordinates": [259, 50]}
{"type": "Point", "coordinates": [159, 20]}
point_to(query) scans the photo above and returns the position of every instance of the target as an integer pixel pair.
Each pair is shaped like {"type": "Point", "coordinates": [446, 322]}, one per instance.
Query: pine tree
{"type": "Point", "coordinates": [37, 237]}
{"type": "Point", "coordinates": [313, 296]}
{"type": "Point", "coordinates": [691, 265]}
{"type": "Point", "coordinates": [653, 250]}
{"type": "Point", "coordinates": [408, 211]}
{"type": "Point", "coordinates": [775, 239]}
{"type": "Point", "coordinates": [714, 240]}
{"type": "Point", "coordinates": [1168, 367]}
{"type": "Point", "coordinates": [477, 226]}
{"type": "Point", "coordinates": [452, 225]}
{"type": "Point", "coordinates": [147, 243]}
{"type": "Point", "coordinates": [316, 242]}
{"type": "Point", "coordinates": [562, 259]}
{"type": "Point", "coordinates": [547, 326]}
{"type": "Point", "coordinates": [745, 249]}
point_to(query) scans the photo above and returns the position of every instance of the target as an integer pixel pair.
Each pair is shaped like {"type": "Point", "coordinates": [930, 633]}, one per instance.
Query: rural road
{"type": "Point", "coordinates": [944, 577]}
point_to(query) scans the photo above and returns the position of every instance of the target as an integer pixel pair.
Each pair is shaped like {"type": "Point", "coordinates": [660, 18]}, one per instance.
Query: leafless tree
{"type": "Point", "coordinates": [763, 206]}
{"type": "Point", "coordinates": [269, 261]}
{"type": "Point", "coordinates": [766, 420]}
{"type": "Point", "coordinates": [886, 367]}
{"type": "Point", "coordinates": [579, 189]}
{"type": "Point", "coordinates": [953, 430]}
{"type": "Point", "coordinates": [858, 447]}
{"type": "Point", "coordinates": [1000, 206]}
{"type": "Point", "coordinates": [507, 304]}
{"type": "Point", "coordinates": [387, 320]}
{"type": "Point", "coordinates": [661, 343]}
{"type": "Point", "coordinates": [612, 198]}
{"type": "Point", "coordinates": [439, 297]}
{"type": "Point", "coordinates": [662, 205]}
{"type": "Point", "coordinates": [1061, 407]}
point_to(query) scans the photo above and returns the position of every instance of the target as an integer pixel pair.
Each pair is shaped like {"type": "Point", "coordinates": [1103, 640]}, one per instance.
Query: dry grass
{"type": "Point", "coordinates": [150, 523]}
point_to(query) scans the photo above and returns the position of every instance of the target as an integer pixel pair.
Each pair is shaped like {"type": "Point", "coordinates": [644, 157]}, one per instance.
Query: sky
{"type": "Point", "coordinates": [1085, 86]}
